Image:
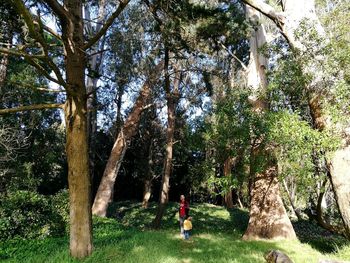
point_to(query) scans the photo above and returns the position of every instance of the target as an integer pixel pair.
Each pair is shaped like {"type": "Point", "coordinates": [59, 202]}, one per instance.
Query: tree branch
{"type": "Point", "coordinates": [35, 31]}
{"type": "Point", "coordinates": [108, 23]}
{"type": "Point", "coordinates": [43, 71]}
{"type": "Point", "coordinates": [58, 9]}
{"type": "Point", "coordinates": [29, 21]}
{"type": "Point", "coordinates": [40, 88]}
{"type": "Point", "coordinates": [234, 56]}
{"type": "Point", "coordinates": [19, 53]}
{"type": "Point", "coordinates": [31, 107]}
{"type": "Point", "coordinates": [267, 10]}
{"type": "Point", "coordinates": [52, 32]}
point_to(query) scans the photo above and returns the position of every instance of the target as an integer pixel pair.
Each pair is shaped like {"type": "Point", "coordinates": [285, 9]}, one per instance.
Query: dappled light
{"type": "Point", "coordinates": [183, 131]}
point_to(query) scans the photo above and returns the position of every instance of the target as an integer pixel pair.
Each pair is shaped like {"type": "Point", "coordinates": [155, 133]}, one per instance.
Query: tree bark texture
{"type": "Point", "coordinates": [128, 130]}
{"type": "Point", "coordinates": [227, 172]}
{"type": "Point", "coordinates": [76, 134]}
{"type": "Point", "coordinates": [267, 216]}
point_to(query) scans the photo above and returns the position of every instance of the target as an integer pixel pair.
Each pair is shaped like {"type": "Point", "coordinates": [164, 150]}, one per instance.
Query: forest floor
{"type": "Point", "coordinates": [126, 237]}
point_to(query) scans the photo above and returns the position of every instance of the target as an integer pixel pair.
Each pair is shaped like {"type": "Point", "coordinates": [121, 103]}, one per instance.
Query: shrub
{"type": "Point", "coordinates": [25, 214]}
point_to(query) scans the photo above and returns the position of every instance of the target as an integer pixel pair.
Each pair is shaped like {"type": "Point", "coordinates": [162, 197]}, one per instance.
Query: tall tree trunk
{"type": "Point", "coordinates": [94, 65]}
{"type": "Point", "coordinates": [288, 21]}
{"type": "Point", "coordinates": [129, 129]}
{"type": "Point", "coordinates": [77, 135]}
{"type": "Point", "coordinates": [227, 172]}
{"type": "Point", "coordinates": [172, 98]}
{"type": "Point", "coordinates": [3, 69]}
{"type": "Point", "coordinates": [149, 174]}
{"type": "Point", "coordinates": [268, 217]}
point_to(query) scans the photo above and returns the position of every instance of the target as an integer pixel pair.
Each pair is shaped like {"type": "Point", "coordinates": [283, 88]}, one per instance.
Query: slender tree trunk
{"type": "Point", "coordinates": [227, 172]}
{"type": "Point", "coordinates": [129, 129]}
{"type": "Point", "coordinates": [268, 217]}
{"type": "Point", "coordinates": [165, 185]}
{"type": "Point", "coordinates": [147, 192]}
{"type": "Point", "coordinates": [291, 201]}
{"type": "Point", "coordinates": [94, 64]}
{"type": "Point", "coordinates": [172, 98]}
{"type": "Point", "coordinates": [149, 174]}
{"type": "Point", "coordinates": [240, 202]}
{"type": "Point", "coordinates": [3, 69]}
{"type": "Point", "coordinates": [77, 135]}
{"type": "Point", "coordinates": [319, 212]}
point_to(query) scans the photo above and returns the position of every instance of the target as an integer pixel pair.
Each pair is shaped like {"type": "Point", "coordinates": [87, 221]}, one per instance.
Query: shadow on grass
{"type": "Point", "coordinates": [318, 238]}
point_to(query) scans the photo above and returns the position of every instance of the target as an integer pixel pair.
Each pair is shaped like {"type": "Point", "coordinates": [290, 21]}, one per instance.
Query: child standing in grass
{"type": "Point", "coordinates": [187, 227]}
{"type": "Point", "coordinates": [183, 213]}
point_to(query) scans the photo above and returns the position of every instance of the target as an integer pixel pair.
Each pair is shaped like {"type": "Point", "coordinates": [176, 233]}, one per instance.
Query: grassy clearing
{"type": "Point", "coordinates": [125, 237]}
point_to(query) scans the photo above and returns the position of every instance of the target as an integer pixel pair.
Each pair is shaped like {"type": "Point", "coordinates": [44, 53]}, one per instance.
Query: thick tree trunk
{"type": "Point", "coordinates": [268, 217]}
{"type": "Point", "coordinates": [227, 172]}
{"type": "Point", "coordinates": [339, 166]}
{"type": "Point", "coordinates": [129, 129]}
{"type": "Point", "coordinates": [77, 135]}
{"type": "Point", "coordinates": [78, 177]}
{"type": "Point", "coordinates": [172, 98]}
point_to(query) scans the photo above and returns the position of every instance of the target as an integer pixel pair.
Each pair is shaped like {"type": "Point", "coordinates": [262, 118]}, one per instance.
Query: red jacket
{"type": "Point", "coordinates": [184, 208]}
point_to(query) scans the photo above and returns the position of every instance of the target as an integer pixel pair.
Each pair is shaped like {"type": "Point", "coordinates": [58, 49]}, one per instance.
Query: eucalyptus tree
{"type": "Point", "coordinates": [299, 24]}
{"type": "Point", "coordinates": [41, 44]}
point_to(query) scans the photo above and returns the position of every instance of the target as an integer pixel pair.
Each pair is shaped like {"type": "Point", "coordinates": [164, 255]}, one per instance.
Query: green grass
{"type": "Point", "coordinates": [125, 237]}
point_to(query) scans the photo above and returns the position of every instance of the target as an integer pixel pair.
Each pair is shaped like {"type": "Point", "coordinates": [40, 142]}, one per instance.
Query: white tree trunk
{"type": "Point", "coordinates": [267, 215]}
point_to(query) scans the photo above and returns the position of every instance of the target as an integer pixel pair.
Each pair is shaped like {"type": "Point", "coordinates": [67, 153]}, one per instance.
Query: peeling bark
{"type": "Point", "coordinates": [267, 216]}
